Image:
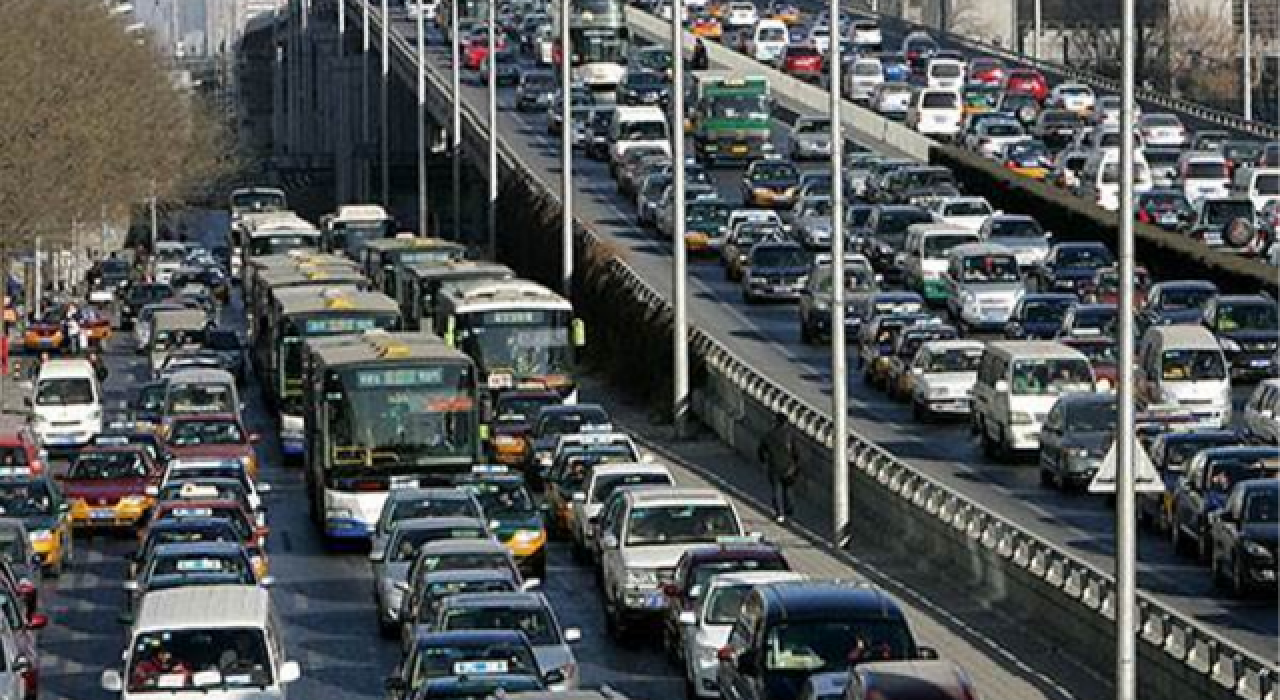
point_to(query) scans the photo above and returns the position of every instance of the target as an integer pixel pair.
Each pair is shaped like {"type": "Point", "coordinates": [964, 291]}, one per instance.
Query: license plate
{"type": "Point", "coordinates": [939, 119]}
{"type": "Point", "coordinates": [1260, 363]}
{"type": "Point", "coordinates": [60, 440]}
{"type": "Point", "coordinates": [739, 149]}
{"type": "Point", "coordinates": [102, 514]}
{"type": "Point", "coordinates": [781, 290]}
{"type": "Point", "coordinates": [1168, 218]}
{"type": "Point", "coordinates": [654, 600]}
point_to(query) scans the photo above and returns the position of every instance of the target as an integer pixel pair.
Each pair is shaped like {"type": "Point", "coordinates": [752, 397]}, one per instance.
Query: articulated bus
{"type": "Point", "coordinates": [383, 411]}
{"type": "Point", "coordinates": [518, 333]}
{"type": "Point", "coordinates": [381, 259]}
{"type": "Point", "coordinates": [348, 229]}
{"type": "Point", "coordinates": [420, 284]}
{"type": "Point", "coordinates": [598, 41]}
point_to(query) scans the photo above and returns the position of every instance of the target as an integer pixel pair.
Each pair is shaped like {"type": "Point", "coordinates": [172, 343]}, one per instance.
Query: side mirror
{"type": "Point", "coordinates": [1002, 386]}
{"type": "Point", "coordinates": [579, 497]}
{"type": "Point", "coordinates": [37, 621]}
{"type": "Point", "coordinates": [111, 681]}
{"type": "Point", "coordinates": [688, 617]}
{"type": "Point", "coordinates": [290, 671]}
{"type": "Point", "coordinates": [578, 331]}
{"type": "Point", "coordinates": [572, 634]}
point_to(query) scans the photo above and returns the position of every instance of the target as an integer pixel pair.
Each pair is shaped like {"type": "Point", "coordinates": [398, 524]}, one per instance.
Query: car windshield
{"type": "Point", "coordinates": [164, 662]}
{"type": "Point", "coordinates": [771, 256]}
{"type": "Point", "coordinates": [1090, 257]}
{"type": "Point", "coordinates": [1192, 365]}
{"type": "Point", "coordinates": [1098, 353]}
{"type": "Point", "coordinates": [605, 485]}
{"type": "Point", "coordinates": [1205, 169]}
{"type": "Point", "coordinates": [535, 622]}
{"type": "Point", "coordinates": [680, 524]}
{"type": "Point", "coordinates": [569, 422]}
{"type": "Point", "coordinates": [1004, 129]}
{"type": "Point", "coordinates": [644, 131]}
{"type": "Point", "coordinates": [707, 213]}
{"type": "Point", "coordinates": [1185, 298]}
{"type": "Point", "coordinates": [856, 278]}
{"type": "Point", "coordinates": [827, 645]}
{"type": "Point", "coordinates": [25, 499]}
{"type": "Point", "coordinates": [1261, 507]}
{"type": "Point", "coordinates": [1096, 318]}
{"type": "Point", "coordinates": [967, 207]}
{"type": "Point", "coordinates": [1092, 417]}
{"type": "Point", "coordinates": [725, 603]}
{"type": "Point", "coordinates": [201, 398]}
{"type": "Point", "coordinates": [775, 172]}
{"type": "Point", "coordinates": [813, 126]}
{"type": "Point", "coordinates": [454, 561]}
{"type": "Point", "coordinates": [945, 69]}
{"type": "Point", "coordinates": [1046, 310]}
{"type": "Point", "coordinates": [990, 269]}
{"type": "Point", "coordinates": [539, 81]}
{"type": "Point", "coordinates": [1267, 184]}
{"type": "Point", "coordinates": [405, 543]}
{"type": "Point", "coordinates": [92, 466]}
{"type": "Point", "coordinates": [867, 68]}
{"type": "Point", "coordinates": [1247, 317]}
{"type": "Point", "coordinates": [206, 432]}
{"type": "Point", "coordinates": [937, 245]}
{"type": "Point", "coordinates": [939, 100]}
{"type": "Point", "coordinates": [704, 571]}
{"type": "Point", "coordinates": [1051, 376]}
{"type": "Point", "coordinates": [502, 497]}
{"type": "Point", "coordinates": [64, 391]}
{"type": "Point", "coordinates": [955, 360]}
{"type": "Point", "coordinates": [429, 508]}
{"type": "Point", "coordinates": [772, 34]}
{"type": "Point", "coordinates": [1015, 228]}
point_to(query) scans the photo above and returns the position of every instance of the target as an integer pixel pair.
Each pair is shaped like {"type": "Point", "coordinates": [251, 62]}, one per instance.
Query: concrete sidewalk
{"type": "Point", "coordinates": [956, 617]}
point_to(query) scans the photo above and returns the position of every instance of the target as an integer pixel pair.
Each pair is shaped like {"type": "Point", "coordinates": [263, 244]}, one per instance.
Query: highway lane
{"type": "Point", "coordinates": [768, 338]}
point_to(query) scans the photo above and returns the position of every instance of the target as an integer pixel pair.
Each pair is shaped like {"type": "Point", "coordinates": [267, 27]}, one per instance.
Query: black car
{"type": "Point", "coordinates": [1247, 330]}
{"type": "Point", "coordinates": [1057, 128]}
{"type": "Point", "coordinates": [644, 88]}
{"type": "Point", "coordinates": [886, 234]}
{"type": "Point", "coordinates": [775, 271]}
{"type": "Point", "coordinates": [1170, 453]}
{"type": "Point", "coordinates": [230, 348]}
{"type": "Point", "coordinates": [1244, 535]}
{"type": "Point", "coordinates": [1176, 301]}
{"type": "Point", "coordinates": [1069, 266]}
{"type": "Point", "coordinates": [1038, 316]}
{"type": "Point", "coordinates": [536, 90]}
{"type": "Point", "coordinates": [595, 140]}
{"type": "Point", "coordinates": [139, 296]}
{"type": "Point", "coordinates": [506, 72]}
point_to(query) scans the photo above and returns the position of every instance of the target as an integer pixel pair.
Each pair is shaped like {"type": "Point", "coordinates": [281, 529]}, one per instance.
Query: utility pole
{"type": "Point", "coordinates": [680, 334]}
{"type": "Point", "coordinates": [457, 120]}
{"type": "Point", "coordinates": [38, 296]}
{"type": "Point", "coordinates": [566, 153]}
{"type": "Point", "coordinates": [1246, 64]}
{"type": "Point", "coordinates": [365, 127]}
{"type": "Point", "coordinates": [491, 63]}
{"type": "Point", "coordinates": [1035, 40]}
{"type": "Point", "coordinates": [383, 117]}
{"type": "Point", "coordinates": [1126, 539]}
{"type": "Point", "coordinates": [839, 366]}
{"type": "Point", "coordinates": [423, 146]}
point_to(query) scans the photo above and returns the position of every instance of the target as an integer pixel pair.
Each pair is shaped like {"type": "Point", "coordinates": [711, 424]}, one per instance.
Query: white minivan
{"type": "Point", "coordinates": [1018, 383]}
{"type": "Point", "coordinates": [861, 80]}
{"type": "Point", "coordinates": [66, 406]}
{"type": "Point", "coordinates": [935, 112]}
{"type": "Point", "coordinates": [1100, 178]}
{"type": "Point", "coordinates": [926, 249]}
{"type": "Point", "coordinates": [637, 126]}
{"type": "Point", "coordinates": [1183, 365]}
{"type": "Point", "coordinates": [768, 40]}
{"type": "Point", "coordinates": [204, 642]}
{"type": "Point", "coordinates": [945, 74]}
{"type": "Point", "coordinates": [1258, 184]}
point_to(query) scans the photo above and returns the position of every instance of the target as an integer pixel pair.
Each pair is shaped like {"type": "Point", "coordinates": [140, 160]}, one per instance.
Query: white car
{"type": "Point", "coordinates": [945, 74]}
{"type": "Point", "coordinates": [1262, 412]}
{"type": "Point", "coordinates": [983, 285]}
{"type": "Point", "coordinates": [768, 41]}
{"type": "Point", "coordinates": [741, 15]}
{"type": "Point", "coordinates": [992, 135]}
{"type": "Point", "coordinates": [1162, 129]}
{"type": "Point", "coordinates": [861, 79]}
{"type": "Point", "coordinates": [1201, 174]}
{"type": "Point", "coordinates": [962, 212]}
{"type": "Point", "coordinates": [427, 8]}
{"type": "Point", "coordinates": [935, 112]}
{"type": "Point", "coordinates": [944, 372]}
{"type": "Point", "coordinates": [706, 629]}
{"type": "Point", "coordinates": [1076, 97]}
{"type": "Point", "coordinates": [1107, 110]}
{"type": "Point", "coordinates": [867, 34]}
{"type": "Point", "coordinates": [820, 37]}
{"type": "Point", "coordinates": [604, 480]}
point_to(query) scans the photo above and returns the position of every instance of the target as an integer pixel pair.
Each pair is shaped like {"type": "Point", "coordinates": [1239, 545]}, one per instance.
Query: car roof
{"type": "Point", "coordinates": [512, 599]}
{"type": "Point", "coordinates": [827, 600]}
{"type": "Point", "coordinates": [677, 496]}
{"type": "Point", "coordinates": [203, 607]}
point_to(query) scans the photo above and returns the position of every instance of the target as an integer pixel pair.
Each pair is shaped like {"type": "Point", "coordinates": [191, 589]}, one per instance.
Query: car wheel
{"type": "Point", "coordinates": [918, 412]}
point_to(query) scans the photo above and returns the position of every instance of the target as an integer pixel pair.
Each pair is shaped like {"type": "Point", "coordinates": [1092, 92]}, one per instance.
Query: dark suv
{"type": "Point", "coordinates": [1247, 329]}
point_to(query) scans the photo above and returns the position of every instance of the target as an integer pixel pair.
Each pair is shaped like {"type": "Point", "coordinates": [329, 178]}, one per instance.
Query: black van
{"type": "Point", "coordinates": [787, 631]}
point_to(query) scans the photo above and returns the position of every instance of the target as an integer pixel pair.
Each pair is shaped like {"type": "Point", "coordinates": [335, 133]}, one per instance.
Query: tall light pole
{"type": "Point", "coordinates": [457, 120]}
{"type": "Point", "coordinates": [1035, 40]}
{"type": "Point", "coordinates": [1246, 67]}
{"type": "Point", "coordinates": [839, 368]}
{"type": "Point", "coordinates": [383, 117]}
{"type": "Point", "coordinates": [491, 63]}
{"type": "Point", "coordinates": [344, 188]}
{"type": "Point", "coordinates": [679, 334]}
{"type": "Point", "coordinates": [566, 153]}
{"type": "Point", "coordinates": [1126, 541]}
{"type": "Point", "coordinates": [364, 63]}
{"type": "Point", "coordinates": [423, 146]}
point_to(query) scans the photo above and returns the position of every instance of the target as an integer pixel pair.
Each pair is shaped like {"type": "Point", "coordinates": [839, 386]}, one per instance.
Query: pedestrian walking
{"type": "Point", "coordinates": [780, 454]}
{"type": "Point", "coordinates": [71, 328]}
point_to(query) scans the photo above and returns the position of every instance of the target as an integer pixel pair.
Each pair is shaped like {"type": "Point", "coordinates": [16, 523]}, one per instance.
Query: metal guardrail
{"type": "Point", "coordinates": [1183, 639]}
{"type": "Point", "coordinates": [1097, 82]}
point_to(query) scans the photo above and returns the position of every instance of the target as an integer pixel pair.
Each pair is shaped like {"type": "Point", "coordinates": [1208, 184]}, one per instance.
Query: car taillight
{"type": "Point", "coordinates": [26, 588]}
{"type": "Point", "coordinates": [1143, 216]}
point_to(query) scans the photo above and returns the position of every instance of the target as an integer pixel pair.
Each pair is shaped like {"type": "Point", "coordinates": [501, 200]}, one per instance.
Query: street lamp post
{"type": "Point", "coordinates": [1246, 67]}
{"type": "Point", "coordinates": [423, 146]}
{"type": "Point", "coordinates": [364, 83]}
{"type": "Point", "coordinates": [680, 333]}
{"type": "Point", "coordinates": [383, 117]}
{"type": "Point", "coordinates": [491, 61]}
{"type": "Point", "coordinates": [456, 138]}
{"type": "Point", "coordinates": [566, 153]}
{"type": "Point", "coordinates": [839, 367]}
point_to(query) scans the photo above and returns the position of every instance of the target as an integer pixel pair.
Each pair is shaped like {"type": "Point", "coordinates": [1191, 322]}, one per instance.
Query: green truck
{"type": "Point", "coordinates": [730, 118]}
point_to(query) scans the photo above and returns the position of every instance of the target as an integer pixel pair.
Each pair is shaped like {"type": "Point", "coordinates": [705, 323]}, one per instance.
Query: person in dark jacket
{"type": "Point", "coordinates": [700, 60]}
{"type": "Point", "coordinates": [780, 454]}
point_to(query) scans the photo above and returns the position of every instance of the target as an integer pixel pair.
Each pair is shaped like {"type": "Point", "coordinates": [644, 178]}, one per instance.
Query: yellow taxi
{"type": "Point", "coordinates": [513, 516]}
{"type": "Point", "coordinates": [707, 27]}
{"type": "Point", "coordinates": [28, 493]}
{"type": "Point", "coordinates": [784, 12]}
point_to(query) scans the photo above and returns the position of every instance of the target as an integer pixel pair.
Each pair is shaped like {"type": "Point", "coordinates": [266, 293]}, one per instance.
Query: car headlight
{"type": "Point", "coordinates": [642, 577]}
{"type": "Point", "coordinates": [41, 536]}
{"type": "Point", "coordinates": [1081, 453]}
{"type": "Point", "coordinates": [247, 461]}
{"type": "Point", "coordinates": [1020, 418]}
{"type": "Point", "coordinates": [1229, 345]}
{"type": "Point", "coordinates": [1254, 549]}
{"type": "Point", "coordinates": [822, 305]}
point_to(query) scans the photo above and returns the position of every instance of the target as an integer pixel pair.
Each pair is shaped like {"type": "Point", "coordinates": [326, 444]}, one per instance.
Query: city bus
{"type": "Point", "coordinates": [269, 282]}
{"type": "Point", "coordinates": [420, 284]}
{"type": "Point", "coordinates": [348, 229]}
{"type": "Point", "coordinates": [381, 259]}
{"type": "Point", "coordinates": [275, 234]}
{"type": "Point", "coordinates": [297, 315]}
{"type": "Point", "coordinates": [598, 41]}
{"type": "Point", "coordinates": [247, 203]}
{"type": "Point", "coordinates": [518, 332]}
{"type": "Point", "coordinates": [383, 411]}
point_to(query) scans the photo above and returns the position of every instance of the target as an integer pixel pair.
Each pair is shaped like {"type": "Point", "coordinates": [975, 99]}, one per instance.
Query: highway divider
{"type": "Point", "coordinates": [1068, 599]}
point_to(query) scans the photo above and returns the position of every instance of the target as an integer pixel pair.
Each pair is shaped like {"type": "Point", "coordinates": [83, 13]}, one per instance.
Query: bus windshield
{"type": "Point", "coordinates": [401, 413]}
{"type": "Point", "coordinates": [276, 243]}
{"type": "Point", "coordinates": [294, 331]}
{"type": "Point", "coordinates": [527, 343]}
{"type": "Point", "coordinates": [605, 45]}
{"type": "Point", "coordinates": [350, 236]}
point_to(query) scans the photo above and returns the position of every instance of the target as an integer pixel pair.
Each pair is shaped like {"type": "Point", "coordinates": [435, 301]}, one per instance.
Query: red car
{"type": "Point", "coordinates": [1028, 81]}
{"type": "Point", "coordinates": [1102, 353]}
{"type": "Point", "coordinates": [477, 49]}
{"type": "Point", "coordinates": [107, 486]}
{"type": "Point", "coordinates": [986, 71]}
{"type": "Point", "coordinates": [1104, 288]}
{"type": "Point", "coordinates": [20, 450]}
{"type": "Point", "coordinates": [802, 61]}
{"type": "Point", "coordinates": [219, 435]}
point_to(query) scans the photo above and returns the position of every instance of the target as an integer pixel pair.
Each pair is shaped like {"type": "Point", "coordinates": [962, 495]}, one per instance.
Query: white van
{"type": "Point", "coordinates": [768, 40]}
{"type": "Point", "coordinates": [201, 391]}
{"type": "Point", "coordinates": [926, 250]}
{"type": "Point", "coordinates": [1018, 383]}
{"type": "Point", "coordinates": [1201, 174]}
{"type": "Point", "coordinates": [1183, 365]}
{"type": "Point", "coordinates": [935, 112]}
{"type": "Point", "coordinates": [1262, 185]}
{"type": "Point", "coordinates": [861, 80]}
{"type": "Point", "coordinates": [945, 74]}
{"type": "Point", "coordinates": [983, 283]}
{"type": "Point", "coordinates": [66, 407]}
{"type": "Point", "coordinates": [227, 637]}
{"type": "Point", "coordinates": [1100, 178]}
{"type": "Point", "coordinates": [637, 126]}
